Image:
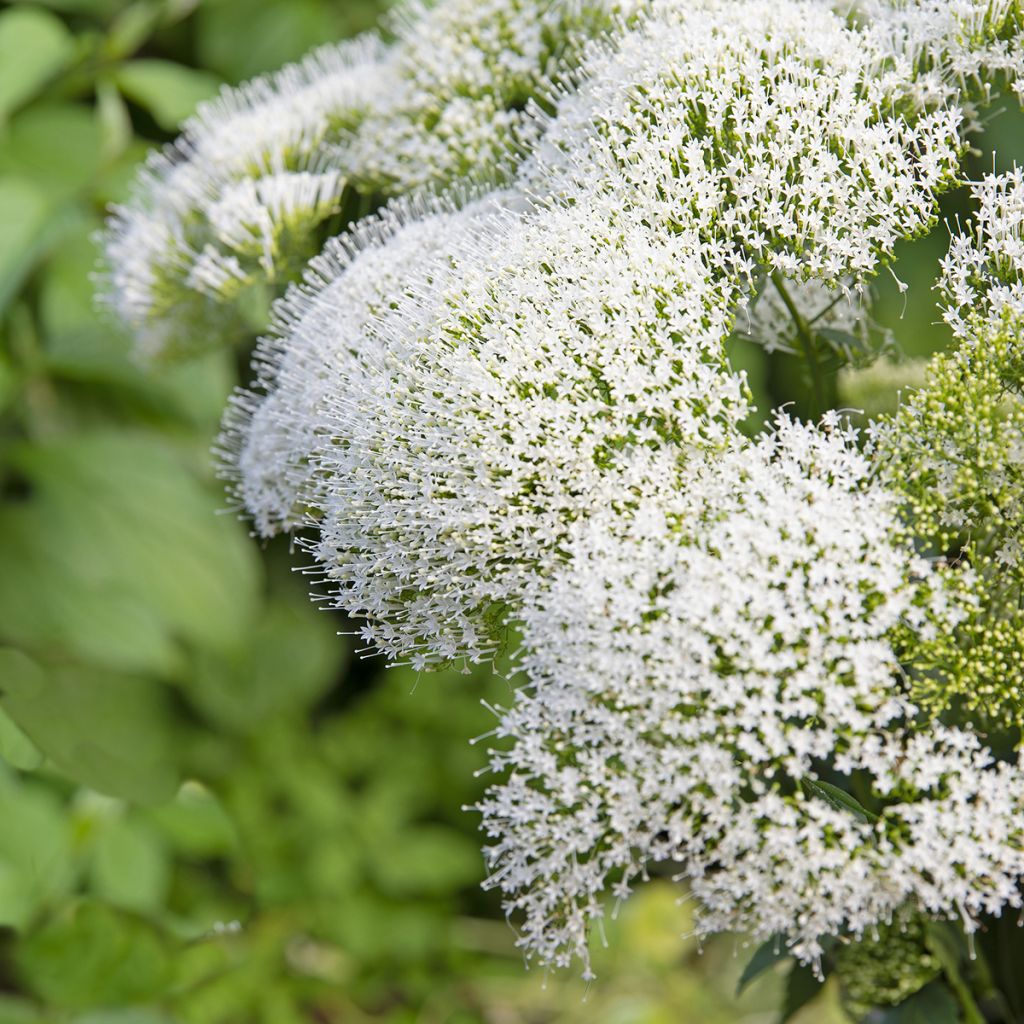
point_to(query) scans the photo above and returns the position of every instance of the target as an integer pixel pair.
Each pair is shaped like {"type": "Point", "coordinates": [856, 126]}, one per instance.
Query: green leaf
{"type": "Point", "coordinates": [15, 747]}
{"type": "Point", "coordinates": [107, 731]}
{"type": "Point", "coordinates": [293, 659]}
{"type": "Point", "coordinates": [934, 1004]}
{"type": "Point", "coordinates": [838, 799]}
{"type": "Point", "coordinates": [103, 730]}
{"type": "Point", "coordinates": [94, 957]}
{"type": "Point", "coordinates": [766, 956]}
{"type": "Point", "coordinates": [167, 90]}
{"type": "Point", "coordinates": [801, 987]}
{"type": "Point", "coordinates": [58, 147]}
{"type": "Point", "coordinates": [25, 212]}
{"type": "Point", "coordinates": [241, 40]}
{"type": "Point", "coordinates": [34, 46]}
{"type": "Point", "coordinates": [144, 569]}
{"type": "Point", "coordinates": [130, 865]}
{"type": "Point", "coordinates": [36, 854]}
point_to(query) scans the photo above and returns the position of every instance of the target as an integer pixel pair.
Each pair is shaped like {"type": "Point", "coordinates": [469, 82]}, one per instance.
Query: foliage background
{"type": "Point", "coordinates": [211, 809]}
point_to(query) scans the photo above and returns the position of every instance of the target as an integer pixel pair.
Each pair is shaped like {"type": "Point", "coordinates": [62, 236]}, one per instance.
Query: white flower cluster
{"type": "Point", "coordinates": [690, 671]}
{"type": "Point", "coordinates": [211, 213]}
{"type": "Point", "coordinates": [514, 409]}
{"type": "Point", "coordinates": [238, 200]}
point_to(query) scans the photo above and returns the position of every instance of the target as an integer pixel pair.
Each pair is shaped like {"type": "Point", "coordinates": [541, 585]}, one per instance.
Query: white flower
{"type": "Point", "coordinates": [691, 666]}
{"type": "Point", "coordinates": [321, 344]}
{"type": "Point", "coordinates": [571, 359]}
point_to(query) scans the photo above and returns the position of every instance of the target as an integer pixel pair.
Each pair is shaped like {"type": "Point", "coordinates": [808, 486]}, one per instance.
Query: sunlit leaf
{"type": "Point", "coordinates": [34, 46]}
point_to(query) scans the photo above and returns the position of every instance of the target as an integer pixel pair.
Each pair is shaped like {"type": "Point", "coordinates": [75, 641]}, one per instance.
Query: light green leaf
{"type": "Point", "coordinates": [144, 568]}
{"type": "Point", "coordinates": [167, 90]}
{"type": "Point", "coordinates": [110, 732]}
{"type": "Point", "coordinates": [15, 747]}
{"type": "Point", "coordinates": [94, 957]}
{"type": "Point", "coordinates": [36, 867]}
{"type": "Point", "coordinates": [25, 212]}
{"type": "Point", "coordinates": [130, 865]}
{"type": "Point", "coordinates": [58, 147]}
{"type": "Point", "coordinates": [34, 46]}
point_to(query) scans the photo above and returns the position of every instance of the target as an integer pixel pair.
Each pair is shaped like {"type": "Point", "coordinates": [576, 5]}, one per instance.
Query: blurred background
{"type": "Point", "coordinates": [212, 811]}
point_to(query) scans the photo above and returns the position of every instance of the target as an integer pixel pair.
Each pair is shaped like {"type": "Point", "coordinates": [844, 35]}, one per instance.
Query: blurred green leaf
{"type": "Point", "coordinates": [427, 860]}
{"type": "Point", "coordinates": [767, 955]}
{"type": "Point", "coordinates": [242, 40]}
{"type": "Point", "coordinates": [34, 46]}
{"type": "Point", "coordinates": [168, 91]}
{"type": "Point", "coordinates": [58, 147]}
{"type": "Point", "coordinates": [194, 823]}
{"type": "Point", "coordinates": [132, 27]}
{"type": "Point", "coordinates": [95, 957]}
{"type": "Point", "coordinates": [113, 118]}
{"type": "Point", "coordinates": [130, 865]}
{"type": "Point", "coordinates": [802, 986]}
{"type": "Point", "coordinates": [293, 658]}
{"type": "Point", "coordinates": [15, 747]}
{"type": "Point", "coordinates": [24, 212]}
{"type": "Point", "coordinates": [19, 1011]}
{"type": "Point", "coordinates": [36, 869]}
{"type": "Point", "coordinates": [145, 567]}
{"type": "Point", "coordinates": [107, 731]}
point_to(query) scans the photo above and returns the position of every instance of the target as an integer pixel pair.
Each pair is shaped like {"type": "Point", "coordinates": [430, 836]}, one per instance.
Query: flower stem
{"type": "Point", "coordinates": [805, 336]}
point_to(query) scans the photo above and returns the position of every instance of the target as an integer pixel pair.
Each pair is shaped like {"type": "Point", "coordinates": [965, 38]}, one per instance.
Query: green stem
{"type": "Point", "coordinates": [805, 336]}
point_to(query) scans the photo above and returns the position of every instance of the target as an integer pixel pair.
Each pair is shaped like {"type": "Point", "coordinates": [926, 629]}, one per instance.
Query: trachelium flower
{"type": "Point", "coordinates": [328, 335]}
{"type": "Point", "coordinates": [565, 366]}
{"type": "Point", "coordinates": [702, 672]}
{"type": "Point", "coordinates": [236, 200]}
{"type": "Point", "coordinates": [515, 409]}
{"type": "Point", "coordinates": [239, 202]}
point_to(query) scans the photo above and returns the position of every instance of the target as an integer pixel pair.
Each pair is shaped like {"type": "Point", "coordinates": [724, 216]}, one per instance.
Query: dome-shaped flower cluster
{"type": "Point", "coordinates": [514, 411]}
{"type": "Point", "coordinates": [240, 199]}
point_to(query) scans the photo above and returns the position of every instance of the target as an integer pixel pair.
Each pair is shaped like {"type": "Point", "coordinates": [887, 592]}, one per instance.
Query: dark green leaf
{"type": "Point", "coordinates": [95, 957]}
{"type": "Point", "coordinates": [801, 987]}
{"type": "Point", "coordinates": [766, 956]}
{"type": "Point", "coordinates": [108, 731]}
{"type": "Point", "coordinates": [838, 798]}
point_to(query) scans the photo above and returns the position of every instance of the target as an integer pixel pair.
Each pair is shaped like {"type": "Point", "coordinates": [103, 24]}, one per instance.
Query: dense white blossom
{"type": "Point", "coordinates": [463, 74]}
{"type": "Point", "coordinates": [322, 341]}
{"type": "Point", "coordinates": [571, 360]}
{"type": "Point", "coordinates": [691, 667]}
{"type": "Point", "coordinates": [247, 168]}
{"type": "Point", "coordinates": [514, 411]}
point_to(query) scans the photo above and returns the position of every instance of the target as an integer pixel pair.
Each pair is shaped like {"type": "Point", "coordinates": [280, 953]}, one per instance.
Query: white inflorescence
{"type": "Point", "coordinates": [237, 200]}
{"type": "Point", "coordinates": [690, 668]}
{"type": "Point", "coordinates": [515, 409]}
{"type": "Point", "coordinates": [322, 342]}
{"type": "Point", "coordinates": [573, 358]}
{"type": "Point", "coordinates": [464, 73]}
{"type": "Point", "coordinates": [207, 212]}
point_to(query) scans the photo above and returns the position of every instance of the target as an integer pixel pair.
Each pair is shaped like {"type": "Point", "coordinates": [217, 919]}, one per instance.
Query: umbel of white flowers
{"type": "Point", "coordinates": [515, 407]}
